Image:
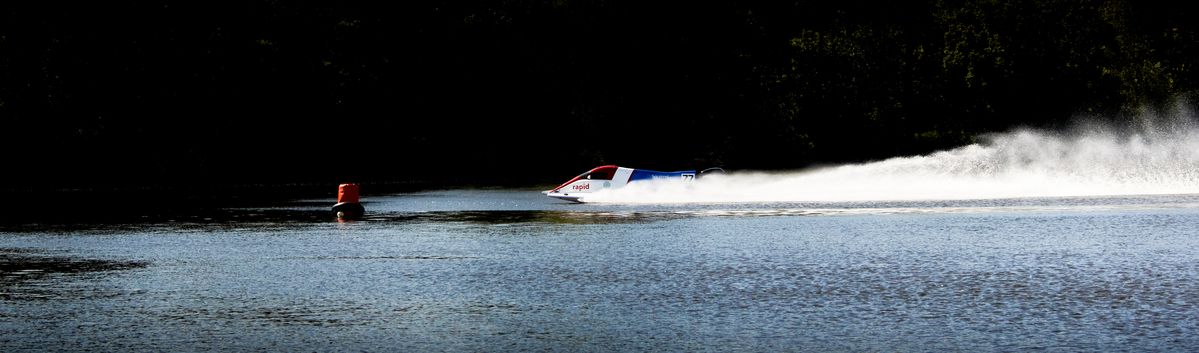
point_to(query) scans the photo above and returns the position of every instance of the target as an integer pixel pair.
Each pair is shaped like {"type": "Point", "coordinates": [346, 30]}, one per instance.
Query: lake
{"type": "Point", "coordinates": [511, 270]}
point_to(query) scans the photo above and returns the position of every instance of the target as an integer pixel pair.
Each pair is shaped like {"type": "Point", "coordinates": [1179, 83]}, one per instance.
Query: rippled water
{"type": "Point", "coordinates": [511, 270]}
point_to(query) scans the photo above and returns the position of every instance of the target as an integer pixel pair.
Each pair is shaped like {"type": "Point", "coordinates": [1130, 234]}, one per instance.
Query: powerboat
{"type": "Point", "coordinates": [612, 177]}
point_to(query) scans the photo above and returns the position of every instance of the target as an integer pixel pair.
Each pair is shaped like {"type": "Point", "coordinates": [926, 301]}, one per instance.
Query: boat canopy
{"type": "Point", "coordinates": [598, 173]}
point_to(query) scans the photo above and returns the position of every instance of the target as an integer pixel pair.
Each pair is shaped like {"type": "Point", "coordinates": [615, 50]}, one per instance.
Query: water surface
{"type": "Point", "coordinates": [511, 270]}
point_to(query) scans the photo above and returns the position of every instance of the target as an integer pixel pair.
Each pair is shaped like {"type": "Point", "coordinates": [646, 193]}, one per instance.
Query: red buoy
{"type": "Point", "coordinates": [348, 207]}
{"type": "Point", "coordinates": [347, 193]}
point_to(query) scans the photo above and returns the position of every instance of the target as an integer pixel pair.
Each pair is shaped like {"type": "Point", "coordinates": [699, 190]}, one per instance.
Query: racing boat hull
{"type": "Point", "coordinates": [612, 177]}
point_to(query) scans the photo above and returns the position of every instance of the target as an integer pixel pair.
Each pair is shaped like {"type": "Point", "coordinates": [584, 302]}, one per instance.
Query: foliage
{"type": "Point", "coordinates": [491, 91]}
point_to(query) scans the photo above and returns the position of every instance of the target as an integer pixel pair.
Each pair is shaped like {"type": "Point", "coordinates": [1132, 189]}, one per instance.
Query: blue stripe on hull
{"type": "Point", "coordinates": [639, 174]}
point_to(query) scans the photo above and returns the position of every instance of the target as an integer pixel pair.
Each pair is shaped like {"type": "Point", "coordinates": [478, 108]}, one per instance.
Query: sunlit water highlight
{"type": "Point", "coordinates": [1160, 156]}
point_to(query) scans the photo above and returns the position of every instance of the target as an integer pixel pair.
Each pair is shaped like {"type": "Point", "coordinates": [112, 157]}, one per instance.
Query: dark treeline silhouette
{"type": "Point", "coordinates": [186, 93]}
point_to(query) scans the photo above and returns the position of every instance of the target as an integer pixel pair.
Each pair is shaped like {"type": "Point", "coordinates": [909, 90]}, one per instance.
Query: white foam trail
{"type": "Point", "coordinates": [1160, 157]}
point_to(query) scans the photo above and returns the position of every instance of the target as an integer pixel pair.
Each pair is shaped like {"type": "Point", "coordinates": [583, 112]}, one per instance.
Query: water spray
{"type": "Point", "coordinates": [1154, 156]}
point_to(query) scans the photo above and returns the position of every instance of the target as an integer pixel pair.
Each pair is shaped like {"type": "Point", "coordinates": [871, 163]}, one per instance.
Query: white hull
{"type": "Point", "coordinates": [612, 177]}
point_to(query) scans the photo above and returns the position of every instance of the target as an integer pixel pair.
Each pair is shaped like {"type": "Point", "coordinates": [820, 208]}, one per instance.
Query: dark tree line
{"type": "Point", "coordinates": [119, 93]}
